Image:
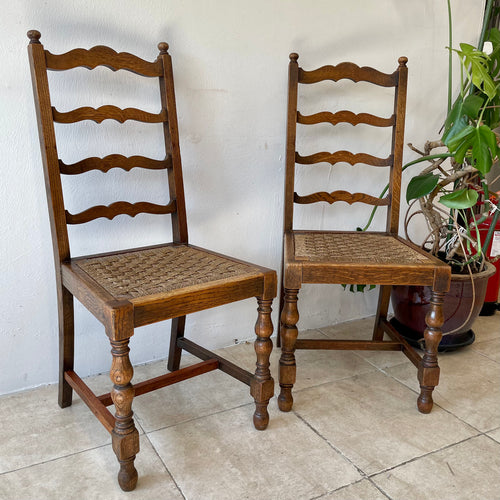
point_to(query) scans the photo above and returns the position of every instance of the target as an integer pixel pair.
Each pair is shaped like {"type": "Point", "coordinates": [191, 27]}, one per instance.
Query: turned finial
{"type": "Point", "coordinates": [402, 61]}
{"type": "Point", "coordinates": [34, 36]}
{"type": "Point", "coordinates": [163, 47]}
{"type": "Point", "coordinates": [294, 56]}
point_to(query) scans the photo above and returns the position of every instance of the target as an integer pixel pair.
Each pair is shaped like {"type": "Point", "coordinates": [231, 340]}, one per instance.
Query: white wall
{"type": "Point", "coordinates": [230, 65]}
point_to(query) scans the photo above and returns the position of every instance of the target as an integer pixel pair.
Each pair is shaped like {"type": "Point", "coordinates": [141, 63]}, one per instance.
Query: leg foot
{"type": "Point", "coordinates": [428, 372]}
{"type": "Point", "coordinates": [424, 401]}
{"type": "Point", "coordinates": [127, 477]}
{"type": "Point", "coordinates": [289, 332]}
{"type": "Point", "coordinates": [262, 386]}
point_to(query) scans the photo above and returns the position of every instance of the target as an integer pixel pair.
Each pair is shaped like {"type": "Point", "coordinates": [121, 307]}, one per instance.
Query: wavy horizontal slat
{"type": "Point", "coordinates": [346, 117]}
{"type": "Point", "coordinates": [340, 196]}
{"type": "Point", "coordinates": [120, 208]}
{"type": "Point", "coordinates": [108, 112]}
{"type": "Point", "coordinates": [343, 156]}
{"type": "Point", "coordinates": [113, 161]}
{"type": "Point", "coordinates": [349, 71]}
{"type": "Point", "coordinates": [103, 56]}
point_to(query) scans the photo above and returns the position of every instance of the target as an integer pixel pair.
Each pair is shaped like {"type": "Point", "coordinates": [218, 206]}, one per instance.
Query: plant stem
{"type": "Point", "coordinates": [450, 55]}
{"type": "Point", "coordinates": [487, 16]}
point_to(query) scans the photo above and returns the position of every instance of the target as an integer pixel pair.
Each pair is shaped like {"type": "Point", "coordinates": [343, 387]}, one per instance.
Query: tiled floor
{"type": "Point", "coordinates": [354, 433]}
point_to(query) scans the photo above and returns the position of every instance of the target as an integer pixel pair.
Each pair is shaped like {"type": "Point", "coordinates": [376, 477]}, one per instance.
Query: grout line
{"type": "Point", "coordinates": [414, 459]}
{"type": "Point", "coordinates": [166, 468]}
{"type": "Point", "coordinates": [199, 417]}
{"type": "Point", "coordinates": [54, 459]}
{"type": "Point", "coordinates": [361, 472]}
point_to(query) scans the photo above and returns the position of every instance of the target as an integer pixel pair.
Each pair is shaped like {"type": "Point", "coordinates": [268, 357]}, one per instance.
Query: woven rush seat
{"type": "Point", "coordinates": [161, 270]}
{"type": "Point", "coordinates": [361, 248]}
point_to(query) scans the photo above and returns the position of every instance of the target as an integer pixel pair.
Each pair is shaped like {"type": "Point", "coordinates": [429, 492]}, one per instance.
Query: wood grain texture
{"type": "Point", "coordinates": [392, 224]}
{"type": "Point", "coordinates": [102, 56]}
{"type": "Point", "coordinates": [345, 117]}
{"type": "Point", "coordinates": [347, 345]}
{"type": "Point", "coordinates": [119, 208]}
{"type": "Point", "coordinates": [343, 156]}
{"type": "Point", "coordinates": [171, 139]}
{"type": "Point", "coordinates": [91, 400]}
{"type": "Point", "coordinates": [113, 161]}
{"type": "Point", "coordinates": [340, 196]}
{"type": "Point", "coordinates": [108, 112]}
{"type": "Point", "coordinates": [226, 366]}
{"type": "Point", "coordinates": [168, 379]}
{"type": "Point", "coordinates": [348, 71]}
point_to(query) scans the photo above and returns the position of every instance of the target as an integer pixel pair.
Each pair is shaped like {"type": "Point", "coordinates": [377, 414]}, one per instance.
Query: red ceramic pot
{"type": "Point", "coordinates": [461, 307]}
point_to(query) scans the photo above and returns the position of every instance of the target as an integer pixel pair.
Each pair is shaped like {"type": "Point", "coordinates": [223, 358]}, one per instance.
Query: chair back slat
{"type": "Point", "coordinates": [348, 71]}
{"type": "Point", "coordinates": [40, 62]}
{"type": "Point", "coordinates": [102, 56]}
{"type": "Point", "coordinates": [340, 196]}
{"type": "Point", "coordinates": [345, 117]}
{"type": "Point", "coordinates": [114, 161]}
{"type": "Point", "coordinates": [107, 112]}
{"type": "Point", "coordinates": [119, 208]}
{"type": "Point", "coordinates": [343, 156]}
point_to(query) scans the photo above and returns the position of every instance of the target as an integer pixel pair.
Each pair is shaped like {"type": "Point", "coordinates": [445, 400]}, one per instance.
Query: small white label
{"type": "Point", "coordinates": [495, 245]}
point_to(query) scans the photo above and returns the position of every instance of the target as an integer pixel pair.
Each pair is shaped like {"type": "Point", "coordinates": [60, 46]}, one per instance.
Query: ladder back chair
{"type": "Point", "coordinates": [136, 287]}
{"type": "Point", "coordinates": [343, 257]}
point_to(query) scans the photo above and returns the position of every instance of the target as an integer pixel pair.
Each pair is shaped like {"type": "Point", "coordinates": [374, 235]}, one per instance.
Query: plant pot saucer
{"type": "Point", "coordinates": [448, 342]}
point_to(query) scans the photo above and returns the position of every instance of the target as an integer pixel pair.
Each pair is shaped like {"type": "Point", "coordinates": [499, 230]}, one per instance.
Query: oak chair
{"type": "Point", "coordinates": [140, 286]}
{"type": "Point", "coordinates": [378, 258]}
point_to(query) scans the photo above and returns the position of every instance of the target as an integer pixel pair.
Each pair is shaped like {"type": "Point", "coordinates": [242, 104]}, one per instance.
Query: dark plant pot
{"type": "Point", "coordinates": [461, 307]}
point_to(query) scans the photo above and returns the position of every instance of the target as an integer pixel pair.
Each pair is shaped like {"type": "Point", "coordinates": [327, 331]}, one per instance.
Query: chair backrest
{"type": "Point", "coordinates": [42, 60]}
{"type": "Point", "coordinates": [352, 72]}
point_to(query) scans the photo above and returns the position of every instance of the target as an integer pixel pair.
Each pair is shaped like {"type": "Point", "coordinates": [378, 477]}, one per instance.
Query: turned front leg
{"type": "Point", "coordinates": [287, 370]}
{"type": "Point", "coordinates": [428, 372]}
{"type": "Point", "coordinates": [262, 386]}
{"type": "Point", "coordinates": [124, 435]}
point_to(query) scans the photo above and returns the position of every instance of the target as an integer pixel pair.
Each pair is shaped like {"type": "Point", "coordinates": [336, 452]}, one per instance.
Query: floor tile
{"type": "Point", "coordinates": [363, 490]}
{"type": "Point", "coordinates": [89, 475]}
{"type": "Point", "coordinates": [465, 471]}
{"type": "Point", "coordinates": [314, 367]}
{"type": "Point", "coordinates": [488, 348]}
{"type": "Point", "coordinates": [487, 328]}
{"type": "Point", "coordinates": [373, 420]}
{"type": "Point", "coordinates": [193, 398]}
{"type": "Point", "coordinates": [362, 330]}
{"type": "Point", "coordinates": [36, 429]}
{"type": "Point", "coordinates": [223, 457]}
{"type": "Point", "coordinates": [468, 386]}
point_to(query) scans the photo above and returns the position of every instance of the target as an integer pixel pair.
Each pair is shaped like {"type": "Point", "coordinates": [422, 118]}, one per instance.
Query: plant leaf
{"type": "Point", "coordinates": [475, 63]}
{"type": "Point", "coordinates": [421, 185]}
{"type": "Point", "coordinates": [472, 105]}
{"type": "Point", "coordinates": [462, 198]}
{"type": "Point", "coordinates": [455, 121]}
{"type": "Point", "coordinates": [484, 149]}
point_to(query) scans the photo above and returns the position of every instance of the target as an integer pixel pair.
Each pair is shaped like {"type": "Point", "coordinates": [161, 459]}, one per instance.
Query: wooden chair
{"type": "Point", "coordinates": [379, 258]}
{"type": "Point", "coordinates": [137, 287]}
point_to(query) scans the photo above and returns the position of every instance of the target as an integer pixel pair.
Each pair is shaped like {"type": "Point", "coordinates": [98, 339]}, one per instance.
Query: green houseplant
{"type": "Point", "coordinates": [452, 192]}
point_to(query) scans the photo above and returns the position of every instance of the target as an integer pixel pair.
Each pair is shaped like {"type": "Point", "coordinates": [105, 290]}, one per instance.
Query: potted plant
{"type": "Point", "coordinates": [453, 196]}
